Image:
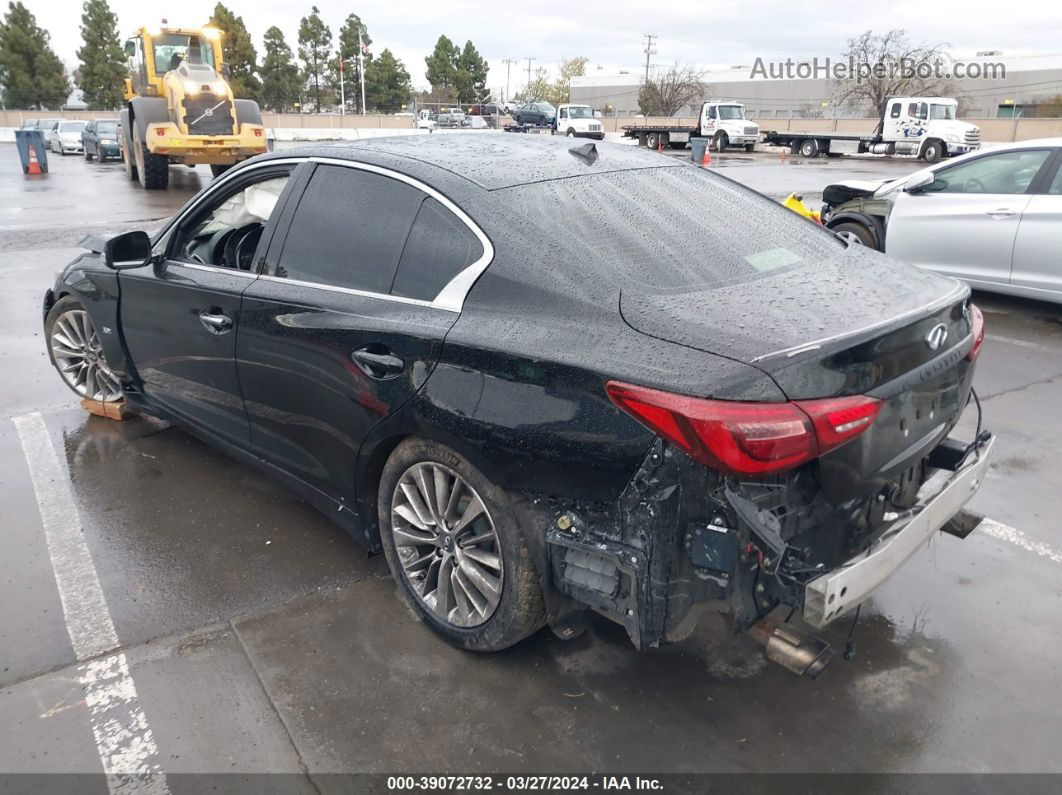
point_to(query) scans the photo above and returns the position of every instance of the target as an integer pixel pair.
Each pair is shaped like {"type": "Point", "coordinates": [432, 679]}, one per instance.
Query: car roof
{"type": "Point", "coordinates": [490, 160]}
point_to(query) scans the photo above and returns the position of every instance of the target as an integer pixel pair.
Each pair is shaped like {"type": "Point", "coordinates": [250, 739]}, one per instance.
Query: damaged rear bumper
{"type": "Point", "coordinates": [941, 497]}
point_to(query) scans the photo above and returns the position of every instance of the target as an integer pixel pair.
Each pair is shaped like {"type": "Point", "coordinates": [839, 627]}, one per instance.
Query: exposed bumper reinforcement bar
{"type": "Point", "coordinates": [941, 497]}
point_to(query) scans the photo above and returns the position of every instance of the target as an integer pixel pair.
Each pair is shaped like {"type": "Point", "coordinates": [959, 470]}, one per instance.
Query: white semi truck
{"type": "Point", "coordinates": [723, 123]}
{"type": "Point", "coordinates": [922, 126]}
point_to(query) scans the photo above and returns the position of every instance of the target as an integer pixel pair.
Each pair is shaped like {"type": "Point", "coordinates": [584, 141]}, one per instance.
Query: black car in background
{"type": "Point", "coordinates": [690, 398]}
{"type": "Point", "coordinates": [100, 139]}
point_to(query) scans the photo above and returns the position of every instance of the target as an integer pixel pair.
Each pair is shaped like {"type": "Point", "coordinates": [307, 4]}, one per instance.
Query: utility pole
{"type": "Point", "coordinates": [342, 87]}
{"type": "Point", "coordinates": [508, 65]}
{"type": "Point", "coordinates": [361, 69]}
{"type": "Point", "coordinates": [530, 58]}
{"type": "Point", "coordinates": [650, 50]}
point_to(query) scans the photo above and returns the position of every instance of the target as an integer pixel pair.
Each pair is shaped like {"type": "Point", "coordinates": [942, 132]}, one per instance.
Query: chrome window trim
{"type": "Point", "coordinates": [450, 299]}
{"type": "Point", "coordinates": [351, 291]}
{"type": "Point", "coordinates": [452, 296]}
{"type": "Point", "coordinates": [212, 268]}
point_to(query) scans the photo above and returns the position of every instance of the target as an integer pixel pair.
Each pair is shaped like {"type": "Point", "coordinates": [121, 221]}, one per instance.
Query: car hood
{"type": "Point", "coordinates": [840, 192]}
{"type": "Point", "coordinates": [783, 320]}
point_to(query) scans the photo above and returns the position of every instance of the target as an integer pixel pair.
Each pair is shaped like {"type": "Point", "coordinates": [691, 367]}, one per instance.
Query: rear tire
{"type": "Point", "coordinates": [217, 169]}
{"type": "Point", "coordinates": [809, 147]}
{"type": "Point", "coordinates": [517, 610]}
{"type": "Point", "coordinates": [651, 140]}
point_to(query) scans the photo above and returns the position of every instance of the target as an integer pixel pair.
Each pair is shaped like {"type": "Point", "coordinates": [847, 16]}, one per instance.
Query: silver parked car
{"type": "Point", "coordinates": [66, 137]}
{"type": "Point", "coordinates": [992, 218]}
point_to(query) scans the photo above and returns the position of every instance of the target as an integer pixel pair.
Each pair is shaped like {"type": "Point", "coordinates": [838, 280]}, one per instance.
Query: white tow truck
{"type": "Point", "coordinates": [723, 123]}
{"type": "Point", "coordinates": [922, 126]}
{"type": "Point", "coordinates": [578, 121]}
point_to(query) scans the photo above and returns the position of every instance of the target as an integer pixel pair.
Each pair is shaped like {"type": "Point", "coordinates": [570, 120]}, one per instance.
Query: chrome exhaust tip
{"type": "Point", "coordinates": [803, 654]}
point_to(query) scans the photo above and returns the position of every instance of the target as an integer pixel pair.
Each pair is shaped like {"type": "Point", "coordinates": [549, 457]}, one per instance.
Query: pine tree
{"type": "Point", "coordinates": [239, 53]}
{"type": "Point", "coordinates": [31, 74]}
{"type": "Point", "coordinates": [442, 67]}
{"type": "Point", "coordinates": [470, 77]}
{"type": "Point", "coordinates": [348, 50]}
{"type": "Point", "coordinates": [281, 82]}
{"type": "Point", "coordinates": [387, 83]}
{"type": "Point", "coordinates": [315, 50]}
{"type": "Point", "coordinates": [102, 69]}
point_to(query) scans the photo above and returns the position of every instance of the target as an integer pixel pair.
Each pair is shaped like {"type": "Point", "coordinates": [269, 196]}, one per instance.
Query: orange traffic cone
{"type": "Point", "coordinates": [33, 167]}
{"type": "Point", "coordinates": [707, 159]}
{"type": "Point", "coordinates": [660, 143]}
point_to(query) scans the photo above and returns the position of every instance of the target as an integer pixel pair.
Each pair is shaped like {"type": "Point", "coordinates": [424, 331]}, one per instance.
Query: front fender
{"type": "Point", "coordinates": [95, 287]}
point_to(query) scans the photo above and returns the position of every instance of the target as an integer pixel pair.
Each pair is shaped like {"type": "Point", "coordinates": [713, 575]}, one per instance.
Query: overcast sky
{"type": "Point", "coordinates": [608, 33]}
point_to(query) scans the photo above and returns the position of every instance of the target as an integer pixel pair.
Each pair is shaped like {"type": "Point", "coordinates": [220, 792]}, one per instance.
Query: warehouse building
{"type": "Point", "coordinates": [1009, 87]}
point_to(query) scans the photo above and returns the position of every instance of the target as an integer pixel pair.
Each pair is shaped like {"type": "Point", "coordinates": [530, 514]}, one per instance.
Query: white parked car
{"type": "Point", "coordinates": [992, 218]}
{"type": "Point", "coordinates": [65, 138]}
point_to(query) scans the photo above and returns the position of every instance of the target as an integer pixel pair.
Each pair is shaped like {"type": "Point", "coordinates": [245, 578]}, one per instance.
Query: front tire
{"type": "Point", "coordinates": [932, 151]}
{"type": "Point", "coordinates": [721, 141]}
{"type": "Point", "coordinates": [153, 170]}
{"type": "Point", "coordinates": [856, 232]}
{"type": "Point", "coordinates": [453, 543]}
{"type": "Point", "coordinates": [75, 351]}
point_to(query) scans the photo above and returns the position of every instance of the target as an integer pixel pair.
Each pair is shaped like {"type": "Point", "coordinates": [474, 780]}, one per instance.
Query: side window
{"type": "Point", "coordinates": [917, 110]}
{"type": "Point", "coordinates": [349, 229]}
{"type": "Point", "coordinates": [225, 234]}
{"type": "Point", "coordinates": [564, 113]}
{"type": "Point", "coordinates": [439, 247]}
{"type": "Point", "coordinates": [711, 112]}
{"type": "Point", "coordinates": [1003, 173]}
{"type": "Point", "coordinates": [895, 112]}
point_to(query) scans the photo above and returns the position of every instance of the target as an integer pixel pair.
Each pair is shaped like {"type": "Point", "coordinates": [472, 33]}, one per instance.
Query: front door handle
{"type": "Point", "coordinates": [378, 362]}
{"type": "Point", "coordinates": [216, 323]}
{"type": "Point", "coordinates": [1003, 212]}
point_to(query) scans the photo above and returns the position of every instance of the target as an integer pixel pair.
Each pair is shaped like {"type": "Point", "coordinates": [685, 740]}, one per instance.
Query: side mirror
{"type": "Point", "coordinates": [128, 250]}
{"type": "Point", "coordinates": [918, 181]}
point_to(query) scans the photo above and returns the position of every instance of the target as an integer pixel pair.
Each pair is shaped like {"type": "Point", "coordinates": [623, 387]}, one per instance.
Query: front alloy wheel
{"type": "Point", "coordinates": [447, 544]}
{"type": "Point", "coordinates": [77, 354]}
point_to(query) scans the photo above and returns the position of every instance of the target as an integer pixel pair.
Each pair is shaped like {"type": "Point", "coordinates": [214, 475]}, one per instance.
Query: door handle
{"type": "Point", "coordinates": [1002, 212]}
{"type": "Point", "coordinates": [378, 362]}
{"type": "Point", "coordinates": [215, 323]}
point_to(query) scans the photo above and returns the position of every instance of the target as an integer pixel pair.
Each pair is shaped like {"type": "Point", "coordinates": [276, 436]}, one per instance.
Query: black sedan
{"type": "Point", "coordinates": [99, 139]}
{"type": "Point", "coordinates": [689, 398]}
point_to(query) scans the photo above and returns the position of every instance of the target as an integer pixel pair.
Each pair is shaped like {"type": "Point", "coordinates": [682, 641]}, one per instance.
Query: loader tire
{"type": "Point", "coordinates": [153, 170]}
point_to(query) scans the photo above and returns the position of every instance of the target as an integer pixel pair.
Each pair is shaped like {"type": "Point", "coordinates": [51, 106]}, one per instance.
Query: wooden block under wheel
{"type": "Point", "coordinates": [112, 410]}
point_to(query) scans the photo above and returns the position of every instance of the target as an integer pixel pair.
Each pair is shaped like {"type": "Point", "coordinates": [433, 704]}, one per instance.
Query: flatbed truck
{"type": "Point", "coordinates": [922, 126]}
{"type": "Point", "coordinates": [723, 123]}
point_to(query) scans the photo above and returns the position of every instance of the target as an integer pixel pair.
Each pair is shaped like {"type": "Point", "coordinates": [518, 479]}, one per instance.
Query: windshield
{"type": "Point", "coordinates": [171, 49]}
{"type": "Point", "coordinates": [941, 111]}
{"type": "Point", "coordinates": [72, 126]}
{"type": "Point", "coordinates": [580, 112]}
{"type": "Point", "coordinates": [731, 112]}
{"type": "Point", "coordinates": [107, 127]}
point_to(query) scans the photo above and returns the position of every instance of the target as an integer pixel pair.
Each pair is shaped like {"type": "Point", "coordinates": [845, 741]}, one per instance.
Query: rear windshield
{"type": "Point", "coordinates": [663, 229]}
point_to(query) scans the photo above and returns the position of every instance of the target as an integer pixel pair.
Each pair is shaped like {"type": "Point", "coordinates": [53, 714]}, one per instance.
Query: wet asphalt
{"type": "Point", "coordinates": [262, 639]}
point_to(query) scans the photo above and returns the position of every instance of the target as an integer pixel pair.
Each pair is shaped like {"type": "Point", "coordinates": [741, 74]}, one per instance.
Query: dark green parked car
{"type": "Point", "coordinates": [99, 139]}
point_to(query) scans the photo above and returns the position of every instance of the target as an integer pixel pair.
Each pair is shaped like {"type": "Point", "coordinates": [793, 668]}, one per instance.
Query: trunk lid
{"type": "Point", "coordinates": [858, 324]}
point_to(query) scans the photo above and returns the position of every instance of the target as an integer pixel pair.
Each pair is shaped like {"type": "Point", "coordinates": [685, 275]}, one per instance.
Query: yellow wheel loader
{"type": "Point", "coordinates": [179, 107]}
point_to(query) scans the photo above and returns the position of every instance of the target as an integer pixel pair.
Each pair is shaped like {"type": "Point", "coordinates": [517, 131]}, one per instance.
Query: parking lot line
{"type": "Point", "coordinates": [1019, 539]}
{"type": "Point", "coordinates": [1020, 343]}
{"type": "Point", "coordinates": [124, 739]}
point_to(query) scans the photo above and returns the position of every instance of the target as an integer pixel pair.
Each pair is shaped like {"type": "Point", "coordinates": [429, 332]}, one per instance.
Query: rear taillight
{"type": "Point", "coordinates": [977, 326]}
{"type": "Point", "coordinates": [747, 438]}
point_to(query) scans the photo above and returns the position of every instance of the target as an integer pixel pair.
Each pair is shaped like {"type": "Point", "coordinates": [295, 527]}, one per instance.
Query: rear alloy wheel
{"type": "Point", "coordinates": [453, 543]}
{"type": "Point", "coordinates": [75, 350]}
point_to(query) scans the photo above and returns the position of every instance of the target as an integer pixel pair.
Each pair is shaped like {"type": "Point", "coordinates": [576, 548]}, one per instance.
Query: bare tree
{"type": "Point", "coordinates": [811, 110]}
{"type": "Point", "coordinates": [666, 93]}
{"type": "Point", "coordinates": [889, 65]}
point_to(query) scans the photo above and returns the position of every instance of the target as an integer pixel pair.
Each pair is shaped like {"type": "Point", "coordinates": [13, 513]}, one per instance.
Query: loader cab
{"type": "Point", "coordinates": [150, 54]}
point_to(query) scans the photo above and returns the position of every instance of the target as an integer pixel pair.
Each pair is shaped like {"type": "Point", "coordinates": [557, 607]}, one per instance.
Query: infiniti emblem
{"type": "Point", "coordinates": [208, 112]}
{"type": "Point", "coordinates": [936, 336]}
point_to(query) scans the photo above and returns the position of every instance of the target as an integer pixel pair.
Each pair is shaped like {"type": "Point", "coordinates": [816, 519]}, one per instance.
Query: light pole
{"type": "Point", "coordinates": [530, 58]}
